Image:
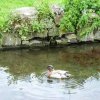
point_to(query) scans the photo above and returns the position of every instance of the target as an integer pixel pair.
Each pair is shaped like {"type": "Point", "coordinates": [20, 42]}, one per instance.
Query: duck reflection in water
{"type": "Point", "coordinates": [58, 74]}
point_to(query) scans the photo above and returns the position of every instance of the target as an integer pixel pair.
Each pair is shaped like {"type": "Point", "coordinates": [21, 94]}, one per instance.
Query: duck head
{"type": "Point", "coordinates": [50, 68]}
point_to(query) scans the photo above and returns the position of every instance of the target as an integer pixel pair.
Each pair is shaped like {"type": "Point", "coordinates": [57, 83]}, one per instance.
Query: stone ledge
{"type": "Point", "coordinates": [20, 47]}
{"type": "Point", "coordinates": [7, 48]}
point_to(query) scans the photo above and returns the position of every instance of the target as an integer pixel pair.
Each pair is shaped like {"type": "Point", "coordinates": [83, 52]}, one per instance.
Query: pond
{"type": "Point", "coordinates": [21, 75]}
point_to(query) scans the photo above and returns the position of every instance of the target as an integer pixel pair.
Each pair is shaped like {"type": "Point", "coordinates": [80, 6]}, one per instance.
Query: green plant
{"type": "Point", "coordinates": [77, 17]}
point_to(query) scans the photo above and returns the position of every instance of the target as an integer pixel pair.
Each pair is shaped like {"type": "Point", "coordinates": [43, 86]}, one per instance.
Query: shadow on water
{"type": "Point", "coordinates": [24, 68]}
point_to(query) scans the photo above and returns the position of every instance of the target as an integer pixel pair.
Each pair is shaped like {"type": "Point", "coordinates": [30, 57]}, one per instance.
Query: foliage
{"type": "Point", "coordinates": [6, 6]}
{"type": "Point", "coordinates": [24, 27]}
{"type": "Point", "coordinates": [81, 17]}
{"type": "Point", "coordinates": [44, 11]}
{"type": "Point", "coordinates": [21, 27]}
{"type": "Point", "coordinates": [45, 16]}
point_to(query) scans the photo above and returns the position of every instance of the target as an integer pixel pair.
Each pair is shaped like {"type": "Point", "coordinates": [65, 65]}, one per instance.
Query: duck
{"type": "Point", "coordinates": [58, 74]}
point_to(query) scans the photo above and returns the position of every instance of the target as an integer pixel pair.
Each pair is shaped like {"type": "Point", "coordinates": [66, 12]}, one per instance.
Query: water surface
{"type": "Point", "coordinates": [21, 74]}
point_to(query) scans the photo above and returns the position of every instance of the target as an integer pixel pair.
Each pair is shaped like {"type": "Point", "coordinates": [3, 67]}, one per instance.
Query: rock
{"type": "Point", "coordinates": [88, 38]}
{"type": "Point", "coordinates": [25, 15]}
{"type": "Point", "coordinates": [25, 42]}
{"type": "Point", "coordinates": [97, 35]}
{"type": "Point", "coordinates": [49, 27]}
{"type": "Point", "coordinates": [25, 12]}
{"type": "Point", "coordinates": [59, 41]}
{"type": "Point", "coordinates": [58, 11]}
{"type": "Point", "coordinates": [10, 40]}
{"type": "Point", "coordinates": [94, 15]}
{"type": "Point", "coordinates": [64, 41]}
{"type": "Point", "coordinates": [72, 38]}
{"type": "Point", "coordinates": [36, 43]}
{"type": "Point", "coordinates": [69, 37]}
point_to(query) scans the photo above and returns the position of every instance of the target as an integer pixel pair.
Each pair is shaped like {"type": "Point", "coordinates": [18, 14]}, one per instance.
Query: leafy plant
{"type": "Point", "coordinates": [78, 16]}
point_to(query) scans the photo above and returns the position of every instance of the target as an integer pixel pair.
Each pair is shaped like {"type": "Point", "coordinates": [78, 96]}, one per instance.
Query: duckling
{"type": "Point", "coordinates": [60, 74]}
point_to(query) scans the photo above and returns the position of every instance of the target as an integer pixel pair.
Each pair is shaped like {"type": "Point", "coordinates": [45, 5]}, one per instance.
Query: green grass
{"type": "Point", "coordinates": [6, 6]}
